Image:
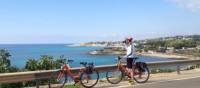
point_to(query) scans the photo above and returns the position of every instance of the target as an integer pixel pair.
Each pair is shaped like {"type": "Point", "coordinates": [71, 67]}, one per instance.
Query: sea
{"type": "Point", "coordinates": [20, 53]}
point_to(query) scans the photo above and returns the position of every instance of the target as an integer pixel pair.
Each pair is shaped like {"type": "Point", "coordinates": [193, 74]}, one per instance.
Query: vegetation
{"type": "Point", "coordinates": [154, 71]}
{"type": "Point", "coordinates": [4, 61]}
{"type": "Point", "coordinates": [72, 86]}
{"type": "Point", "coordinates": [31, 65]}
{"type": "Point", "coordinates": [45, 62]}
{"type": "Point", "coordinates": [177, 44]}
{"type": "Point", "coordinates": [5, 66]}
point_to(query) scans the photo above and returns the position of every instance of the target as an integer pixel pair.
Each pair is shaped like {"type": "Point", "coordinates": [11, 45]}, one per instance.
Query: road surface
{"type": "Point", "coordinates": [185, 80]}
{"type": "Point", "coordinates": [180, 83]}
{"type": "Point", "coordinates": [193, 82]}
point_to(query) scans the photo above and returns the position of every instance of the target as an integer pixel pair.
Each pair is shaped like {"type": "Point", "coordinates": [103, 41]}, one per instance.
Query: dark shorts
{"type": "Point", "coordinates": [129, 62]}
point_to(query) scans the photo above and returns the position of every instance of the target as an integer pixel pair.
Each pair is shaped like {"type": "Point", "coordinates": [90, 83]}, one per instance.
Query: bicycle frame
{"type": "Point", "coordinates": [82, 76]}
{"type": "Point", "coordinates": [122, 68]}
{"type": "Point", "coordinates": [66, 68]}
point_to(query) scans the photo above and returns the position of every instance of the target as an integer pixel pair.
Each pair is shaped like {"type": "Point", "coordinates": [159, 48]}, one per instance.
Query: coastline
{"type": "Point", "coordinates": [86, 45]}
{"type": "Point", "coordinates": [173, 56]}
{"type": "Point", "coordinates": [120, 51]}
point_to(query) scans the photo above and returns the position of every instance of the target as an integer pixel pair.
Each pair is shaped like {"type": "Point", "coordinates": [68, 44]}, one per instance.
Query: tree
{"type": "Point", "coordinates": [14, 69]}
{"type": "Point", "coordinates": [4, 60]}
{"type": "Point", "coordinates": [45, 62]}
{"type": "Point", "coordinates": [31, 65]}
{"type": "Point", "coordinates": [198, 44]}
{"type": "Point", "coordinates": [5, 66]}
{"type": "Point", "coordinates": [57, 62]}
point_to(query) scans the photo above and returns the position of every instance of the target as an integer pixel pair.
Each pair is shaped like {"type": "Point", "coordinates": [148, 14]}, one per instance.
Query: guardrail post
{"type": "Point", "coordinates": [37, 83]}
{"type": "Point", "coordinates": [178, 69]}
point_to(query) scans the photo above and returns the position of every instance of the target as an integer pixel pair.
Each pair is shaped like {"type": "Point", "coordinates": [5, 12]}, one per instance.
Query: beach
{"type": "Point", "coordinates": [165, 55]}
{"type": "Point", "coordinates": [171, 56]}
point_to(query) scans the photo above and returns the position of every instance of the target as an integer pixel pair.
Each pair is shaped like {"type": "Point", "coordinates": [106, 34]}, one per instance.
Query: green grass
{"type": "Point", "coordinates": [154, 71]}
{"type": "Point", "coordinates": [72, 86]}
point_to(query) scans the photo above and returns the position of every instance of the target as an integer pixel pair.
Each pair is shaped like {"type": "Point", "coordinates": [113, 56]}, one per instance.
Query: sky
{"type": "Point", "coordinates": [74, 21]}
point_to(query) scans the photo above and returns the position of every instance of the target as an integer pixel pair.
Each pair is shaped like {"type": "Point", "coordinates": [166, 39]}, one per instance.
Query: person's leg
{"type": "Point", "coordinates": [129, 66]}
{"type": "Point", "coordinates": [129, 69]}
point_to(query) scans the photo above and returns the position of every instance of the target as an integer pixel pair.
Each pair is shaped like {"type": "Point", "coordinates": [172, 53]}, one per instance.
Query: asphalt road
{"type": "Point", "coordinates": [187, 79]}
{"type": "Point", "coordinates": [189, 82]}
{"type": "Point", "coordinates": [180, 83]}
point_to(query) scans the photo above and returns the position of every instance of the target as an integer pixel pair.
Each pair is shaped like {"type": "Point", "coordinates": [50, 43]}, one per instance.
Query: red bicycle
{"type": "Point", "coordinates": [140, 72]}
{"type": "Point", "coordinates": [87, 77]}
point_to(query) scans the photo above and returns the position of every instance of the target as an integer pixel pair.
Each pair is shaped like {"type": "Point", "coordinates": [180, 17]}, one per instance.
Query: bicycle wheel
{"type": "Point", "coordinates": [89, 80]}
{"type": "Point", "coordinates": [114, 77]}
{"type": "Point", "coordinates": [141, 76]}
{"type": "Point", "coordinates": [57, 80]}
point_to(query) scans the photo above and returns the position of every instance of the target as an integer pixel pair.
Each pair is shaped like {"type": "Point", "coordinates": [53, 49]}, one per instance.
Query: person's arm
{"type": "Point", "coordinates": [125, 46]}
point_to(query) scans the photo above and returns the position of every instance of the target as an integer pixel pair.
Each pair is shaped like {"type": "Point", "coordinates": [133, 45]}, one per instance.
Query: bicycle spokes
{"type": "Point", "coordinates": [89, 80]}
{"type": "Point", "coordinates": [114, 76]}
{"type": "Point", "coordinates": [141, 76]}
{"type": "Point", "coordinates": [57, 80]}
{"type": "Point", "coordinates": [59, 76]}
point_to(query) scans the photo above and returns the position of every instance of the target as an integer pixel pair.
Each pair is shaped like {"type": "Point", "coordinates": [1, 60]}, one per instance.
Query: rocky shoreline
{"type": "Point", "coordinates": [109, 51]}
{"type": "Point", "coordinates": [86, 45]}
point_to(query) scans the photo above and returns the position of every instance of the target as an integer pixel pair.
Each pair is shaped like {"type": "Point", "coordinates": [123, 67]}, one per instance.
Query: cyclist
{"type": "Point", "coordinates": [130, 53]}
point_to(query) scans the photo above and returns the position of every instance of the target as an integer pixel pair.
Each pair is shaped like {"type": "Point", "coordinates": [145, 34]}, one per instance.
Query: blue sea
{"type": "Point", "coordinates": [22, 52]}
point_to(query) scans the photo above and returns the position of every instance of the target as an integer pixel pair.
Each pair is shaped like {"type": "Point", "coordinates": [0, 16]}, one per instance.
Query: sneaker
{"type": "Point", "coordinates": [131, 82]}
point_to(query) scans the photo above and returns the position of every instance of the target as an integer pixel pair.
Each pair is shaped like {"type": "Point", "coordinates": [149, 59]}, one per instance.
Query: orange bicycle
{"type": "Point", "coordinates": [140, 72]}
{"type": "Point", "coordinates": [88, 77]}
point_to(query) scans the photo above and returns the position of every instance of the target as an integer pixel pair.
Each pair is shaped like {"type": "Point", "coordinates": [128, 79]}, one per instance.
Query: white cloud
{"type": "Point", "coordinates": [192, 5]}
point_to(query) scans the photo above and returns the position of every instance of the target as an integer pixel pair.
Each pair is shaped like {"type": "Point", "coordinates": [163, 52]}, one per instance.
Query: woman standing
{"type": "Point", "coordinates": [130, 54]}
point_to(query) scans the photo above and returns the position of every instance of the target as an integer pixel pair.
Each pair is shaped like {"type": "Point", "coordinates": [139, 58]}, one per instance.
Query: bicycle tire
{"type": "Point", "coordinates": [93, 74]}
{"type": "Point", "coordinates": [137, 79]}
{"type": "Point", "coordinates": [118, 74]}
{"type": "Point", "coordinates": [57, 83]}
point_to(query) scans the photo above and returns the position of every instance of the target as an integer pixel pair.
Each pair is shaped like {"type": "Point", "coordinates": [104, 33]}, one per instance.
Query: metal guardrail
{"type": "Point", "coordinates": [38, 75]}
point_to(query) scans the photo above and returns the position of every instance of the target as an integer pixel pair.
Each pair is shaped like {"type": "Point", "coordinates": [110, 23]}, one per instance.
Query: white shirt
{"type": "Point", "coordinates": [130, 51]}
